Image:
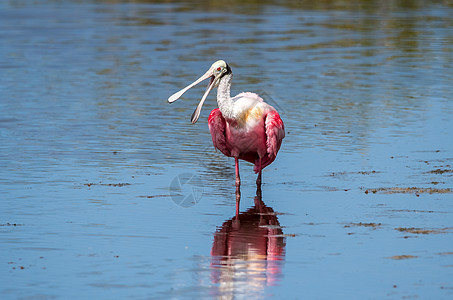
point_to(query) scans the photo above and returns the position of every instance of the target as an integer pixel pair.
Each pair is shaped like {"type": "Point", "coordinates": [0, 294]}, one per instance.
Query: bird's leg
{"type": "Point", "coordinates": [258, 180]}
{"type": "Point", "coordinates": [238, 186]}
{"type": "Point", "coordinates": [238, 179]}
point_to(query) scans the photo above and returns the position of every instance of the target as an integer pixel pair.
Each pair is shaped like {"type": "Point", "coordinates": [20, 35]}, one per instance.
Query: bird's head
{"type": "Point", "coordinates": [216, 72]}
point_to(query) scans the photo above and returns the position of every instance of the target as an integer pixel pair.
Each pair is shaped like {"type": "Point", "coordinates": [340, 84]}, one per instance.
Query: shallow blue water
{"type": "Point", "coordinates": [93, 160]}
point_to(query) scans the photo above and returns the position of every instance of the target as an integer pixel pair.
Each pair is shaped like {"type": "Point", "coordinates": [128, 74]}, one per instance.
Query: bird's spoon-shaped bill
{"type": "Point", "coordinates": [196, 113]}
{"type": "Point", "coordinates": [177, 95]}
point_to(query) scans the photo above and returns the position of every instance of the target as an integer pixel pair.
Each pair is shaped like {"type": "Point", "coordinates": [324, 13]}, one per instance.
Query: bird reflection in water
{"type": "Point", "coordinates": [248, 252]}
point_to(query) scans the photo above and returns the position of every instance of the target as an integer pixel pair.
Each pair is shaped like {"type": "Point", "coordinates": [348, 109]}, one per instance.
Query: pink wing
{"type": "Point", "coordinates": [217, 127]}
{"type": "Point", "coordinates": [275, 132]}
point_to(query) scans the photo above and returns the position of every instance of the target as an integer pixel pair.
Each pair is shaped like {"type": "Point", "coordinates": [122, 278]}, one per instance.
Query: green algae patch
{"type": "Point", "coordinates": [409, 190]}
{"type": "Point", "coordinates": [424, 230]}
{"type": "Point", "coordinates": [441, 171]}
{"type": "Point", "coordinates": [401, 257]}
{"type": "Point", "coordinates": [372, 225]}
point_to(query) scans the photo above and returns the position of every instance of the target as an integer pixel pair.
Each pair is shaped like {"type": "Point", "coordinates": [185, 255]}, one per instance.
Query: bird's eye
{"type": "Point", "coordinates": [219, 68]}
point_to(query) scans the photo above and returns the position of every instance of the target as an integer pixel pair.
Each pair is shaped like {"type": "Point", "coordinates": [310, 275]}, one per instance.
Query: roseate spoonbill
{"type": "Point", "coordinates": [244, 126]}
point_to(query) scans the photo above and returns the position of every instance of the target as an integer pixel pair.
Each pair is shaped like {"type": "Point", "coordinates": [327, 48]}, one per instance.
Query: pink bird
{"type": "Point", "coordinates": [244, 126]}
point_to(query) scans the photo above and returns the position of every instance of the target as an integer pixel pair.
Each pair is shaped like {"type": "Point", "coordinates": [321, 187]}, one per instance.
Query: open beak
{"type": "Point", "coordinates": [212, 83]}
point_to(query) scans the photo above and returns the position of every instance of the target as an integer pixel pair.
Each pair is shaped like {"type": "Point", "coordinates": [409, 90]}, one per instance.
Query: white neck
{"type": "Point", "coordinates": [223, 96]}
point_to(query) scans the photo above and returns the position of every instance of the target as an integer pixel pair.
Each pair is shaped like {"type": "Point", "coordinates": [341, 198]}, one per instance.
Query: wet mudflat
{"type": "Point", "coordinates": [108, 192]}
